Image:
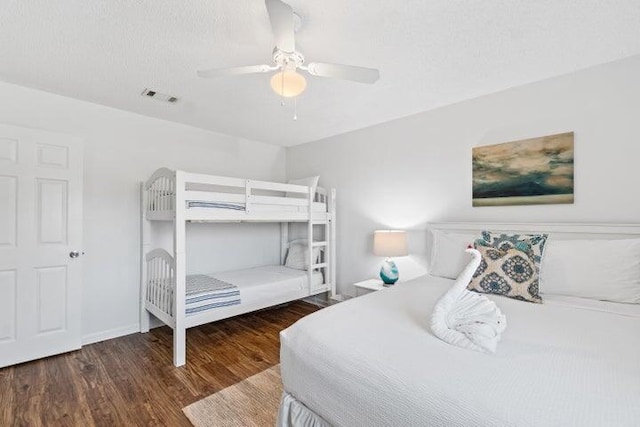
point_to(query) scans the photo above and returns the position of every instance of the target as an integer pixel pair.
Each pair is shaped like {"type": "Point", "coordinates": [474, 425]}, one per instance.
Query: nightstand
{"type": "Point", "coordinates": [368, 286]}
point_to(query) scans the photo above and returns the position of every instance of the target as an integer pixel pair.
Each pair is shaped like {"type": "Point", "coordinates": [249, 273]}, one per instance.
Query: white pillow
{"type": "Point", "coordinates": [298, 255]}
{"type": "Point", "coordinates": [311, 181]}
{"type": "Point", "coordinates": [448, 256]}
{"type": "Point", "coordinates": [607, 270]}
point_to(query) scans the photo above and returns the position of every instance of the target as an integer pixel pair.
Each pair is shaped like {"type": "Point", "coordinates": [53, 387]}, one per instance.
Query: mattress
{"type": "Point", "coordinates": [166, 202]}
{"type": "Point", "coordinates": [261, 207]}
{"type": "Point", "coordinates": [373, 361]}
{"type": "Point", "coordinates": [267, 282]}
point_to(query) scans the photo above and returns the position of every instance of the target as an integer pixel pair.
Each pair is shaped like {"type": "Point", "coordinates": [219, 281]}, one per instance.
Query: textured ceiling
{"type": "Point", "coordinates": [430, 53]}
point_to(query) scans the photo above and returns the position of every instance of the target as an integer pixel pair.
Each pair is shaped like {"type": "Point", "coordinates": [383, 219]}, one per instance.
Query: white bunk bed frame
{"type": "Point", "coordinates": [165, 197]}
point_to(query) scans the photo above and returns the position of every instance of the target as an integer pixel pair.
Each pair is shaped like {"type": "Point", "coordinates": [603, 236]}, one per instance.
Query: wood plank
{"type": "Point", "coordinates": [132, 381]}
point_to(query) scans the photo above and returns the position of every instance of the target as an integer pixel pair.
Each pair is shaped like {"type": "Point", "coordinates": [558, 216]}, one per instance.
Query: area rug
{"type": "Point", "coordinates": [253, 402]}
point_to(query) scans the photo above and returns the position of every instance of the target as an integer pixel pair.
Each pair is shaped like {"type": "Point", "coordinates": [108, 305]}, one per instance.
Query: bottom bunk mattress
{"type": "Point", "coordinates": [373, 361]}
{"type": "Point", "coordinates": [247, 286]}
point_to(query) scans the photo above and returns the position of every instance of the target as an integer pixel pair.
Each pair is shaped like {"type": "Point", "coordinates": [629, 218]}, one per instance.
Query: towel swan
{"type": "Point", "coordinates": [465, 318]}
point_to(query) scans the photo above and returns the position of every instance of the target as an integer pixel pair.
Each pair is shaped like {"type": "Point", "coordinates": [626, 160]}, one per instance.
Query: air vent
{"type": "Point", "coordinates": [150, 93]}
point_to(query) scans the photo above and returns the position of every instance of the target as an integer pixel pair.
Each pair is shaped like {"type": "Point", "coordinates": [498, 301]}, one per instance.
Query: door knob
{"type": "Point", "coordinates": [75, 254]}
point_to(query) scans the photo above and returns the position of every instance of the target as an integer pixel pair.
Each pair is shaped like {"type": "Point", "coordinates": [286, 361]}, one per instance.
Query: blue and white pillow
{"type": "Point", "coordinates": [511, 273]}
{"type": "Point", "coordinates": [510, 265]}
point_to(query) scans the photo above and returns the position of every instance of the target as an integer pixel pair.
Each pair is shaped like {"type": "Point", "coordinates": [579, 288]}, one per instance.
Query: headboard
{"type": "Point", "coordinates": [564, 231]}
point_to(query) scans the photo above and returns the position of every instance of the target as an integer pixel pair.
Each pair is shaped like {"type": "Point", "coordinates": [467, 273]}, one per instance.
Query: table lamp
{"type": "Point", "coordinates": [388, 243]}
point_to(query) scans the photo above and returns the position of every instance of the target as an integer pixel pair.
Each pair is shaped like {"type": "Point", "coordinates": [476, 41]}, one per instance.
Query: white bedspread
{"type": "Point", "coordinates": [372, 361]}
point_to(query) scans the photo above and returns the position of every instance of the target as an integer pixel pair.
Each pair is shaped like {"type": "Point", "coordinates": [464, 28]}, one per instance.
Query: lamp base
{"type": "Point", "coordinates": [389, 272]}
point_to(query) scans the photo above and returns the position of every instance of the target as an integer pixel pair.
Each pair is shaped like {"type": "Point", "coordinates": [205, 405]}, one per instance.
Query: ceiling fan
{"type": "Point", "coordinates": [287, 82]}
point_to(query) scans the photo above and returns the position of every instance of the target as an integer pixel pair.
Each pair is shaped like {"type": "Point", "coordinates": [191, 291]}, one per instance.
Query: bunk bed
{"type": "Point", "coordinates": [182, 301]}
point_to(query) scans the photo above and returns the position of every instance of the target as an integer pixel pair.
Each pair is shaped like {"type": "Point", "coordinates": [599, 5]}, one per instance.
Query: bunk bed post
{"type": "Point", "coordinates": [332, 241]}
{"type": "Point", "coordinates": [310, 240]}
{"type": "Point", "coordinates": [145, 316]}
{"type": "Point", "coordinates": [179, 243]}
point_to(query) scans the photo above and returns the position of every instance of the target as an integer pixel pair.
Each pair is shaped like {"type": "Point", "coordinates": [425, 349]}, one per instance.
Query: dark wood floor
{"type": "Point", "coordinates": [132, 380]}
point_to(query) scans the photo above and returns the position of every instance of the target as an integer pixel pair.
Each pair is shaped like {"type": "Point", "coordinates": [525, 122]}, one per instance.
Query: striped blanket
{"type": "Point", "coordinates": [215, 205]}
{"type": "Point", "coordinates": [206, 292]}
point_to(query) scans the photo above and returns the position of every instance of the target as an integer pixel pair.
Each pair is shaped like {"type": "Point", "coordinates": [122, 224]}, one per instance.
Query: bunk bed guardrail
{"type": "Point", "coordinates": [227, 192]}
{"type": "Point", "coordinates": [160, 189]}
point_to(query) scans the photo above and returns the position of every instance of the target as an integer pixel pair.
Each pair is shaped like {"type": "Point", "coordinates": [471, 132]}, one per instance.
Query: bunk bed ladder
{"type": "Point", "coordinates": [327, 261]}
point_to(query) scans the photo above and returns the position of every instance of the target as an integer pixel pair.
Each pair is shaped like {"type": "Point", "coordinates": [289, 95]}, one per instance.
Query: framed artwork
{"type": "Point", "coordinates": [528, 172]}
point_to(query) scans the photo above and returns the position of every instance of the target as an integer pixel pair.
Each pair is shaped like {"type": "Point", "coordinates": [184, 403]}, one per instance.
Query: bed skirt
{"type": "Point", "coordinates": [295, 414]}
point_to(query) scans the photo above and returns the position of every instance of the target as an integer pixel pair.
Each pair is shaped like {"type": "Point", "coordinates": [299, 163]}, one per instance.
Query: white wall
{"type": "Point", "coordinates": [414, 170]}
{"type": "Point", "coordinates": [120, 150]}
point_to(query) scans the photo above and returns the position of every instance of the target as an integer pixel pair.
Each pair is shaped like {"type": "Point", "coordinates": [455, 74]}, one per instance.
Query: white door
{"type": "Point", "coordinates": [40, 226]}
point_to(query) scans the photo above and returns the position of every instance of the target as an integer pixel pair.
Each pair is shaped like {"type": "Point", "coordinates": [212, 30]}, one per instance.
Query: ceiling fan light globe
{"type": "Point", "coordinates": [288, 83]}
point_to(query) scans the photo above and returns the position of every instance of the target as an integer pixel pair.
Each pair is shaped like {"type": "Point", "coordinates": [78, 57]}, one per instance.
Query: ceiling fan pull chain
{"type": "Point", "coordinates": [295, 108]}
{"type": "Point", "coordinates": [282, 90]}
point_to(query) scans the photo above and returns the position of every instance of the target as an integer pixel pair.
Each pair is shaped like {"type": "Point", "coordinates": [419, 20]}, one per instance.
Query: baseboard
{"type": "Point", "coordinates": [110, 334]}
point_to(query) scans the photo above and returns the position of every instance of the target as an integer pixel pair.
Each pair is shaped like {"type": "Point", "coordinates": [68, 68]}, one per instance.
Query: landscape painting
{"type": "Point", "coordinates": [528, 172]}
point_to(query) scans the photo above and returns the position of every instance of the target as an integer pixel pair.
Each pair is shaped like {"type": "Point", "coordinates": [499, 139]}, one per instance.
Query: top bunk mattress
{"type": "Point", "coordinates": [167, 202]}
{"type": "Point", "coordinates": [566, 362]}
{"type": "Point", "coordinates": [261, 207]}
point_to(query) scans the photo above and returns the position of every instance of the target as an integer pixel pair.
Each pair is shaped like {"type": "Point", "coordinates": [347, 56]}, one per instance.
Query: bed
{"type": "Point", "coordinates": [372, 361]}
{"type": "Point", "coordinates": [182, 301]}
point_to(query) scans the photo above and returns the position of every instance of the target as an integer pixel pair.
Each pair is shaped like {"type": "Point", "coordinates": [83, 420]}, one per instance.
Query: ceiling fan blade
{"type": "Point", "coordinates": [235, 71]}
{"type": "Point", "coordinates": [345, 72]}
{"type": "Point", "coordinates": [281, 18]}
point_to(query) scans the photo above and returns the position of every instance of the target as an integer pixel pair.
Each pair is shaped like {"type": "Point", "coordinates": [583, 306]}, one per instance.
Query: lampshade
{"type": "Point", "coordinates": [390, 243]}
{"type": "Point", "coordinates": [288, 83]}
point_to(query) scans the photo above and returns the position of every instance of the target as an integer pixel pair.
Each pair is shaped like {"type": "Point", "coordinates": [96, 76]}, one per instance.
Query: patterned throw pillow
{"type": "Point", "coordinates": [511, 273]}
{"type": "Point", "coordinates": [531, 244]}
